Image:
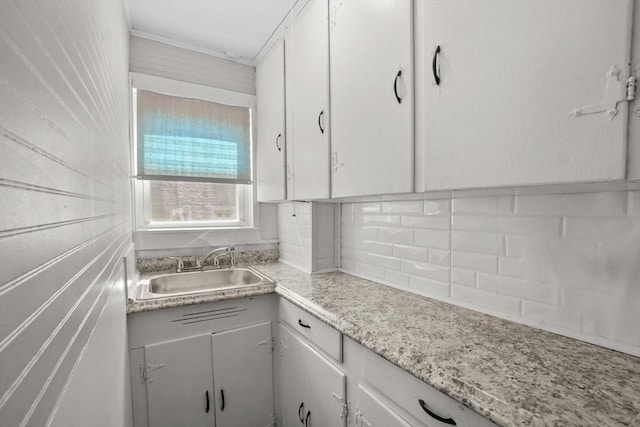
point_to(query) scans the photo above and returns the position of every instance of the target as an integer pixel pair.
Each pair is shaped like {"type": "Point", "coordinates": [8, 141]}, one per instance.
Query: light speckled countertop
{"type": "Point", "coordinates": [513, 374]}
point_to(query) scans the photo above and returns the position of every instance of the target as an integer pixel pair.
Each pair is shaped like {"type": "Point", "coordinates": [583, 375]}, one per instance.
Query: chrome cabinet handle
{"type": "Point", "coordinates": [304, 325]}
{"type": "Point", "coordinates": [206, 394]}
{"type": "Point", "coordinates": [449, 421]}
{"type": "Point", "coordinates": [300, 410]}
{"type": "Point", "coordinates": [278, 142]}
{"type": "Point", "coordinates": [221, 399]}
{"type": "Point", "coordinates": [307, 419]}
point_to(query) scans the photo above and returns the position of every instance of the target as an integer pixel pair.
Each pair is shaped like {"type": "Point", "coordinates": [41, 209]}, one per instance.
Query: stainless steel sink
{"type": "Point", "coordinates": [166, 285]}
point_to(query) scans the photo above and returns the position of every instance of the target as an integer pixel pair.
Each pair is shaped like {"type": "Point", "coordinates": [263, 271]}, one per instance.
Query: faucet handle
{"type": "Point", "coordinates": [180, 265]}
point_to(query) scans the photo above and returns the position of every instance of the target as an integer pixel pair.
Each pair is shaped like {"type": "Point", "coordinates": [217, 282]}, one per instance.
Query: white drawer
{"type": "Point", "coordinates": [312, 328]}
{"type": "Point", "coordinates": [419, 399]}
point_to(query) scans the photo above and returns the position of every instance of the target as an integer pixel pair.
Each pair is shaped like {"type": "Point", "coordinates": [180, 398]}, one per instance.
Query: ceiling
{"type": "Point", "coordinates": [236, 29]}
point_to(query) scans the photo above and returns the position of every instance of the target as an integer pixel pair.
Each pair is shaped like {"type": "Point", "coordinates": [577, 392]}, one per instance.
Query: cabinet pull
{"type": "Point", "coordinates": [221, 399]}
{"type": "Point", "coordinates": [278, 142]}
{"type": "Point", "coordinates": [206, 394]}
{"type": "Point", "coordinates": [434, 66]}
{"type": "Point", "coordinates": [395, 86]}
{"type": "Point", "coordinates": [300, 412]}
{"type": "Point", "coordinates": [432, 414]}
{"type": "Point", "coordinates": [304, 325]}
{"type": "Point", "coordinates": [320, 121]}
{"type": "Point", "coordinates": [307, 419]}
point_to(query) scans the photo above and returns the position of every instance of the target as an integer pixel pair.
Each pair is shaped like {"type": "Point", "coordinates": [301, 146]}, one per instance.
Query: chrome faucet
{"type": "Point", "coordinates": [180, 265]}
{"type": "Point", "coordinates": [231, 251]}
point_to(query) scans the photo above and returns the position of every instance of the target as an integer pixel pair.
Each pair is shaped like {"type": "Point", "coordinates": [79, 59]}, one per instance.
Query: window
{"type": "Point", "coordinates": [192, 155]}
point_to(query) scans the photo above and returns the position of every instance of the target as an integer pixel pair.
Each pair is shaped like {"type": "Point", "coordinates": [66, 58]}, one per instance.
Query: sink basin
{"type": "Point", "coordinates": [200, 281]}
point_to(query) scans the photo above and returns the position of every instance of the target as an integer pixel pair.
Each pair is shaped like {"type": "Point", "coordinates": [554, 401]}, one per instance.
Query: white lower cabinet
{"type": "Point", "coordinates": [372, 412]}
{"type": "Point", "coordinates": [312, 388]}
{"type": "Point", "coordinates": [179, 382]}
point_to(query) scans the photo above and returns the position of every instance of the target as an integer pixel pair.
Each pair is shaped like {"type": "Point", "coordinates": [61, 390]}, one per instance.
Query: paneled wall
{"type": "Point", "coordinates": [565, 263]}
{"type": "Point", "coordinates": [163, 60]}
{"type": "Point", "coordinates": [65, 219]}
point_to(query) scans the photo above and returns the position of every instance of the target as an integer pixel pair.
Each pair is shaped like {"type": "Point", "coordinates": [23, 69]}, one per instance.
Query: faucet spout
{"type": "Point", "coordinates": [218, 253]}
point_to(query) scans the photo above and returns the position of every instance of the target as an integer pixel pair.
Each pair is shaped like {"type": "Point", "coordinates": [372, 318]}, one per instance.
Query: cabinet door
{"type": "Point", "coordinates": [372, 412]}
{"type": "Point", "coordinates": [307, 88]}
{"type": "Point", "coordinates": [243, 376]}
{"type": "Point", "coordinates": [310, 380]}
{"type": "Point", "coordinates": [510, 74]}
{"type": "Point", "coordinates": [371, 96]}
{"type": "Point", "coordinates": [271, 125]}
{"type": "Point", "coordinates": [180, 383]}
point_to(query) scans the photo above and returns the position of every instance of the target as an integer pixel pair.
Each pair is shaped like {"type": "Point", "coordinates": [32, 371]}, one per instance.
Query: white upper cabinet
{"type": "Point", "coordinates": [521, 92]}
{"type": "Point", "coordinates": [371, 45]}
{"type": "Point", "coordinates": [271, 126]}
{"type": "Point", "coordinates": [307, 88]}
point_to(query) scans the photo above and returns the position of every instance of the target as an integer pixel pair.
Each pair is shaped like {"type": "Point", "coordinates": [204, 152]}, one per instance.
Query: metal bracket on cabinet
{"type": "Point", "coordinates": [616, 91]}
{"type": "Point", "coordinates": [344, 413]}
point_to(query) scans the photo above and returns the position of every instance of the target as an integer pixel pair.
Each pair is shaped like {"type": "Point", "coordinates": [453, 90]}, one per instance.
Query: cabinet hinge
{"type": "Point", "coordinates": [271, 342]}
{"type": "Point", "coordinates": [616, 91]}
{"type": "Point", "coordinates": [143, 374]}
{"type": "Point", "coordinates": [344, 412]}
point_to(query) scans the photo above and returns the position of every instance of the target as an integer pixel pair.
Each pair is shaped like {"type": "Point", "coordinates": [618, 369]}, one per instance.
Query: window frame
{"type": "Point", "coordinates": [246, 196]}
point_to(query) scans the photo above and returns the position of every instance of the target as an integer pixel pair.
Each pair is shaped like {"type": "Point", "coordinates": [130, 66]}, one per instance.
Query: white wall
{"type": "Point", "coordinates": [65, 221]}
{"type": "Point", "coordinates": [565, 263]}
{"type": "Point", "coordinates": [307, 235]}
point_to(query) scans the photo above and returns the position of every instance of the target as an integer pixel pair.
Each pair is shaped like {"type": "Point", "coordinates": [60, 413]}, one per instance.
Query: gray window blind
{"type": "Point", "coordinates": [181, 139]}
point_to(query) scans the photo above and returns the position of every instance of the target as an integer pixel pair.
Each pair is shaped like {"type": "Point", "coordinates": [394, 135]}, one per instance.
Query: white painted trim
{"type": "Point", "coordinates": [187, 46]}
{"type": "Point", "coordinates": [278, 33]}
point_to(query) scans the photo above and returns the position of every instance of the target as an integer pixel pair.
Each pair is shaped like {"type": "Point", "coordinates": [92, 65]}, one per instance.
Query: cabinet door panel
{"type": "Point", "coordinates": [375, 413]}
{"type": "Point", "coordinates": [307, 87]}
{"type": "Point", "coordinates": [271, 125]}
{"type": "Point", "coordinates": [511, 72]}
{"type": "Point", "coordinates": [243, 379]}
{"type": "Point", "coordinates": [179, 377]}
{"type": "Point", "coordinates": [309, 378]}
{"type": "Point", "coordinates": [371, 132]}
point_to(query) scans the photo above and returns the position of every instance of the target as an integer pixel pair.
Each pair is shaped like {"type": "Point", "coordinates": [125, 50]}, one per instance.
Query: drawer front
{"type": "Point", "coordinates": [419, 399]}
{"type": "Point", "coordinates": [310, 327]}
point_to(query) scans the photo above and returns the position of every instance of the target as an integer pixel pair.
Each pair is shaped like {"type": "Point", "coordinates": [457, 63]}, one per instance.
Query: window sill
{"type": "Point", "coordinates": [195, 229]}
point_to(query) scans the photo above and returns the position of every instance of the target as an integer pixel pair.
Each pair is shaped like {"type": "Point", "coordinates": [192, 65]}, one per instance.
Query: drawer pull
{"type": "Point", "coordinates": [304, 325]}
{"type": "Point", "coordinates": [222, 400]}
{"type": "Point", "coordinates": [206, 394]}
{"type": "Point", "coordinates": [307, 419]}
{"type": "Point", "coordinates": [449, 421]}
{"type": "Point", "coordinates": [300, 412]}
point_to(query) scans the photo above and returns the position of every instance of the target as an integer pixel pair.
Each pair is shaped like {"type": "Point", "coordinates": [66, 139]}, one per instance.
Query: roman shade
{"type": "Point", "coordinates": [182, 139]}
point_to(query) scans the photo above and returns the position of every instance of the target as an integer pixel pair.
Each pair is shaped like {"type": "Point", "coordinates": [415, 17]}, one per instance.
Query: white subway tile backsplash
{"type": "Point", "coordinates": [410, 252]}
{"type": "Point", "coordinates": [474, 261]}
{"type": "Point", "coordinates": [473, 223]}
{"type": "Point", "coordinates": [429, 287]}
{"type": "Point", "coordinates": [539, 226]}
{"type": "Point", "coordinates": [463, 277]}
{"type": "Point", "coordinates": [412, 206]}
{"type": "Point", "coordinates": [475, 205]}
{"type": "Point", "coordinates": [552, 315]}
{"type": "Point", "coordinates": [583, 204]}
{"type": "Point", "coordinates": [602, 229]}
{"type": "Point", "coordinates": [489, 300]}
{"type": "Point", "coordinates": [437, 207]}
{"type": "Point", "coordinates": [397, 278]}
{"type": "Point", "coordinates": [395, 235]}
{"type": "Point", "coordinates": [561, 262]}
{"type": "Point", "coordinates": [474, 241]}
{"type": "Point", "coordinates": [381, 220]}
{"type": "Point", "coordinates": [431, 271]}
{"type": "Point", "coordinates": [431, 222]}
{"type": "Point", "coordinates": [432, 238]}
{"type": "Point", "coordinates": [633, 203]}
{"type": "Point", "coordinates": [440, 257]}
{"type": "Point", "coordinates": [375, 247]}
{"type": "Point", "coordinates": [527, 290]}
